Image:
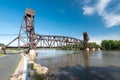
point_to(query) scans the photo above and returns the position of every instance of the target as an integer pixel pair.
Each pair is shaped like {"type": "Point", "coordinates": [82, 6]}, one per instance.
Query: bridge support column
{"type": "Point", "coordinates": [85, 41]}
{"type": "Point", "coordinates": [2, 50]}
{"type": "Point", "coordinates": [29, 18]}
{"type": "Point", "coordinates": [32, 54]}
{"type": "Point", "coordinates": [86, 59]}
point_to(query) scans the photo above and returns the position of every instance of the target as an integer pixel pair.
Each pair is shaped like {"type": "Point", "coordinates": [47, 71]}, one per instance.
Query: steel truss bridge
{"type": "Point", "coordinates": [55, 41]}
{"type": "Point", "coordinates": [29, 38]}
{"type": "Point", "coordinates": [47, 41]}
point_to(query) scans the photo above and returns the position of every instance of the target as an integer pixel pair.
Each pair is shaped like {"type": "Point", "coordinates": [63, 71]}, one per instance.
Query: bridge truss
{"type": "Point", "coordinates": [28, 38]}
{"type": "Point", "coordinates": [55, 41]}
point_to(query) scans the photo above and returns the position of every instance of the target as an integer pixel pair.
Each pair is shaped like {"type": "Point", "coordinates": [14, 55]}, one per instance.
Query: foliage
{"type": "Point", "coordinates": [92, 45]}
{"type": "Point", "coordinates": [72, 47]}
{"type": "Point", "coordinates": [79, 46]}
{"type": "Point", "coordinates": [110, 44]}
{"type": "Point", "coordinates": [1, 44]}
{"type": "Point", "coordinates": [1, 54]}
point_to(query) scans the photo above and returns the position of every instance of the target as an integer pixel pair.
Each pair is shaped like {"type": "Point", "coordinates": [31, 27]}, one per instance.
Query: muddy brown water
{"type": "Point", "coordinates": [80, 65]}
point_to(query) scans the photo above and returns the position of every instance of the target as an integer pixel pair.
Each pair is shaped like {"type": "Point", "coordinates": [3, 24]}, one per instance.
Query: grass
{"type": "Point", "coordinates": [2, 54]}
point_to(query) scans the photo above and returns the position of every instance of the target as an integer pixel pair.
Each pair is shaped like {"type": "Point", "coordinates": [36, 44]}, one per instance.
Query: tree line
{"type": "Point", "coordinates": [79, 46]}
{"type": "Point", "coordinates": [1, 44]}
{"type": "Point", "coordinates": [105, 45]}
{"type": "Point", "coordinates": [110, 44]}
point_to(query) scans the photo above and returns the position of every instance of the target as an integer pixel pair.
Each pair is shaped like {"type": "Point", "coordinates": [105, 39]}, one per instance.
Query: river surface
{"type": "Point", "coordinates": [80, 65]}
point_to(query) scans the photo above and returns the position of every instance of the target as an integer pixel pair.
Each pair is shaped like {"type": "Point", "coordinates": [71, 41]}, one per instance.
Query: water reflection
{"type": "Point", "coordinates": [54, 59]}
{"type": "Point", "coordinates": [86, 59]}
{"type": "Point", "coordinates": [81, 65]}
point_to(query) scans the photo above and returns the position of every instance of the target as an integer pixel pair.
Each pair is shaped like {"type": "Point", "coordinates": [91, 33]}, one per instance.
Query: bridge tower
{"type": "Point", "coordinates": [29, 18]}
{"type": "Point", "coordinates": [85, 41]}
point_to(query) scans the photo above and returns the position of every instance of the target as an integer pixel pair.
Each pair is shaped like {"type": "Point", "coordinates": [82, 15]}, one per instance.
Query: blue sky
{"type": "Point", "coordinates": [100, 18]}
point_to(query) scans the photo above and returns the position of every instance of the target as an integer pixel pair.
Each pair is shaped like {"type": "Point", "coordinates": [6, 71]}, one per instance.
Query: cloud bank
{"type": "Point", "coordinates": [109, 10]}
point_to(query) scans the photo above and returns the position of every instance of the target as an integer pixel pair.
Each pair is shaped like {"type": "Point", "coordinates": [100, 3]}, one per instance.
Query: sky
{"type": "Point", "coordinates": [100, 18]}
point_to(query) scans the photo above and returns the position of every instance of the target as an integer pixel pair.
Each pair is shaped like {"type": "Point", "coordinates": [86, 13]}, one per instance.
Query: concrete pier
{"type": "Point", "coordinates": [32, 55]}
{"type": "Point", "coordinates": [87, 49]}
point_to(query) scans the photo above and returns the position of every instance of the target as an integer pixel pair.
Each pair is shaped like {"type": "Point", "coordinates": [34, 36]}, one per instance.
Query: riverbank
{"type": "Point", "coordinates": [35, 70]}
{"type": "Point", "coordinates": [2, 54]}
{"type": "Point", "coordinates": [38, 72]}
{"type": "Point", "coordinates": [22, 70]}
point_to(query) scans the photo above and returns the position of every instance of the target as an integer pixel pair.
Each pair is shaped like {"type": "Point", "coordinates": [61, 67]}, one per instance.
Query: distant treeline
{"type": "Point", "coordinates": [110, 44]}
{"type": "Point", "coordinates": [79, 46]}
{"type": "Point", "coordinates": [71, 47]}
{"type": "Point", "coordinates": [1, 44]}
{"type": "Point", "coordinates": [105, 45]}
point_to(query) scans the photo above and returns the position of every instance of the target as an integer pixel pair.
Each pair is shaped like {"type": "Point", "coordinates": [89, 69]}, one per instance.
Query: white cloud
{"type": "Point", "coordinates": [88, 10]}
{"type": "Point", "coordinates": [110, 18]}
{"type": "Point", "coordinates": [101, 6]}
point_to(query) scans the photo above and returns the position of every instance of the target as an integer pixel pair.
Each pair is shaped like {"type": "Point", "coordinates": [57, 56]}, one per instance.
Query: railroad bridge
{"type": "Point", "coordinates": [28, 38]}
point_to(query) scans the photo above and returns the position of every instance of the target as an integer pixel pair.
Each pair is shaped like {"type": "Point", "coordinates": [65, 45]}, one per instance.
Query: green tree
{"type": "Point", "coordinates": [92, 45]}
{"type": "Point", "coordinates": [104, 44]}
{"type": "Point", "coordinates": [1, 44]}
{"type": "Point", "coordinates": [110, 44]}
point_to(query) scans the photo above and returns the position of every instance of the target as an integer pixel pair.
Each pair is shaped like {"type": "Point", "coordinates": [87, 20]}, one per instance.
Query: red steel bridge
{"type": "Point", "coordinates": [28, 38]}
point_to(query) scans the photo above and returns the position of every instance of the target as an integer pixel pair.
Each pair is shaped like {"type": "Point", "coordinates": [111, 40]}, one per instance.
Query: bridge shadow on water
{"type": "Point", "coordinates": [78, 72]}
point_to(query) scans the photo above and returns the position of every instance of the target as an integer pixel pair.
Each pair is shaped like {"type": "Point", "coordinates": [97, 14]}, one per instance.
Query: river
{"type": "Point", "coordinates": [80, 65]}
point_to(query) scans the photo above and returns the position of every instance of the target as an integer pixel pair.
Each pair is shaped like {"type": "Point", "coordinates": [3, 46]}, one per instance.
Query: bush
{"type": "Point", "coordinates": [1, 44]}
{"type": "Point", "coordinates": [110, 44]}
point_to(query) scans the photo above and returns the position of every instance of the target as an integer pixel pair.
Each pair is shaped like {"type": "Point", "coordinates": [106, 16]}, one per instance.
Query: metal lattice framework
{"type": "Point", "coordinates": [29, 39]}
{"type": "Point", "coordinates": [55, 41]}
